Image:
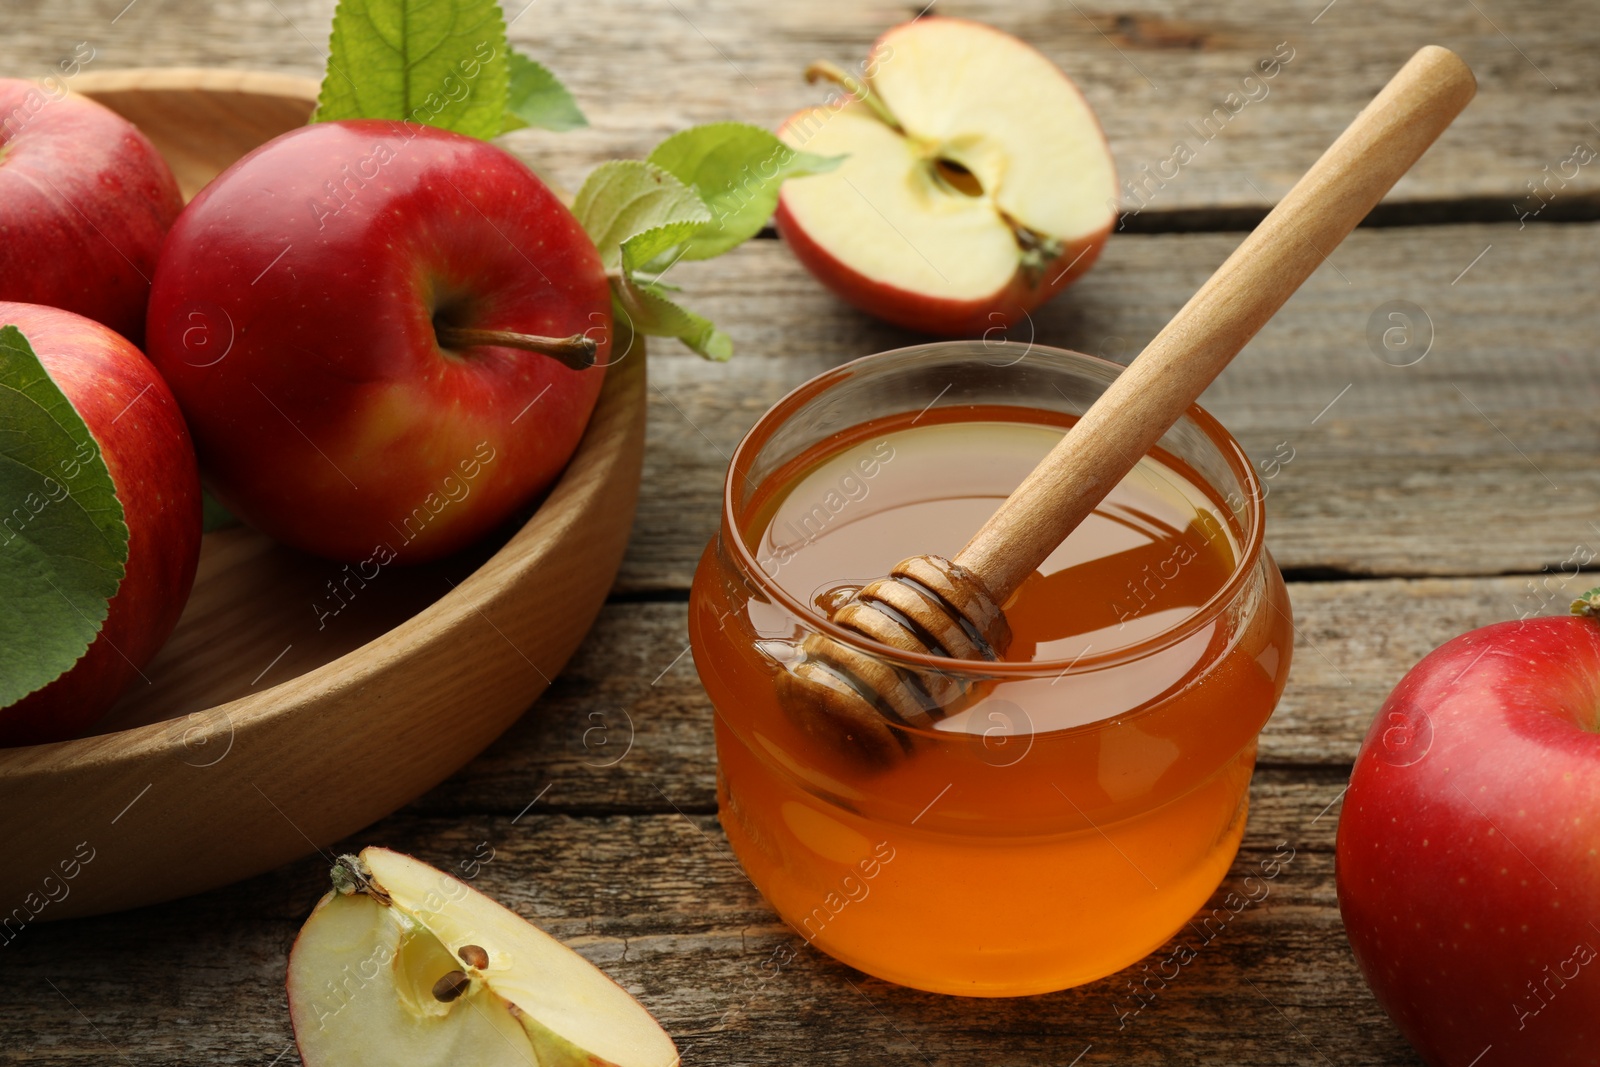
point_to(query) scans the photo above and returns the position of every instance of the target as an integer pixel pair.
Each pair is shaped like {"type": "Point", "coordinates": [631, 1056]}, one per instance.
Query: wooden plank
{"type": "Point", "coordinates": [1476, 460]}
{"type": "Point", "coordinates": [1472, 462]}
{"type": "Point", "coordinates": [658, 902]}
{"type": "Point", "coordinates": [1453, 453]}
{"type": "Point", "coordinates": [1154, 73]}
{"type": "Point", "coordinates": [623, 858]}
{"type": "Point", "coordinates": [627, 726]}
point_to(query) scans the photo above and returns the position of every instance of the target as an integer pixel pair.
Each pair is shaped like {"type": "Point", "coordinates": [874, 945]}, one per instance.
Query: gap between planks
{"type": "Point", "coordinates": [1291, 575]}
{"type": "Point", "coordinates": [1242, 218]}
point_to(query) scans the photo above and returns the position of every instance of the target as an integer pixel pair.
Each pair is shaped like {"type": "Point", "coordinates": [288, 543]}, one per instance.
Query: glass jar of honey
{"type": "Point", "coordinates": [1088, 791]}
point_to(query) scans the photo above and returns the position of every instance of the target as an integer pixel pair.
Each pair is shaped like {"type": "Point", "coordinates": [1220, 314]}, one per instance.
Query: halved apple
{"type": "Point", "coordinates": [402, 965]}
{"type": "Point", "coordinates": [976, 183]}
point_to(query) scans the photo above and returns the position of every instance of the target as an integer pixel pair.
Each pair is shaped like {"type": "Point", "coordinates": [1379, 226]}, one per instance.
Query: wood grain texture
{"type": "Point", "coordinates": [1154, 73]}
{"type": "Point", "coordinates": [598, 813]}
{"type": "Point", "coordinates": [659, 904]}
{"type": "Point", "coordinates": [1478, 459]}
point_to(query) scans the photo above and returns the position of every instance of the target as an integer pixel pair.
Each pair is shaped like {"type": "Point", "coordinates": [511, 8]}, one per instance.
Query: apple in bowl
{"type": "Point", "coordinates": [1468, 855]}
{"type": "Point", "coordinates": [138, 432]}
{"type": "Point", "coordinates": [386, 337]}
{"type": "Point", "coordinates": [976, 181]}
{"type": "Point", "coordinates": [85, 201]}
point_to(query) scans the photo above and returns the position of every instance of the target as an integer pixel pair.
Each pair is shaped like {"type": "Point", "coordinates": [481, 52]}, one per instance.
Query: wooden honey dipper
{"type": "Point", "coordinates": [953, 608]}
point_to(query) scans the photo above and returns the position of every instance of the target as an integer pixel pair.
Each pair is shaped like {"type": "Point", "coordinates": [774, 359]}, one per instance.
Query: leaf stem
{"type": "Point", "coordinates": [577, 351]}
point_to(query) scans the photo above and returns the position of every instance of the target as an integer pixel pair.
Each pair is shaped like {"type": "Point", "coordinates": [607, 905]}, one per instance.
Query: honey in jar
{"type": "Point", "coordinates": [1089, 791]}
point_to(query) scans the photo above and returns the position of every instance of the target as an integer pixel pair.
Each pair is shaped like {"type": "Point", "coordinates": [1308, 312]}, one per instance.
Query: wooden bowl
{"type": "Point", "coordinates": [261, 736]}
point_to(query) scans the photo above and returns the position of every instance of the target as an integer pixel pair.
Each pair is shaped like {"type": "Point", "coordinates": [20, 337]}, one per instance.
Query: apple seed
{"type": "Point", "coordinates": [451, 986]}
{"type": "Point", "coordinates": [473, 956]}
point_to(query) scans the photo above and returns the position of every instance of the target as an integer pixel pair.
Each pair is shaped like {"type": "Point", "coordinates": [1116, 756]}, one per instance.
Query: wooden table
{"type": "Point", "coordinates": [1420, 501]}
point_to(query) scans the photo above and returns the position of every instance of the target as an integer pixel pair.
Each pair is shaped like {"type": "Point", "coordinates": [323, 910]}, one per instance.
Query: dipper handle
{"type": "Point", "coordinates": [1385, 139]}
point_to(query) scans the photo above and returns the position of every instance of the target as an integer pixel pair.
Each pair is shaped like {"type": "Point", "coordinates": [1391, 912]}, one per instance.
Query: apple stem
{"type": "Point", "coordinates": [825, 71]}
{"type": "Point", "coordinates": [577, 351]}
{"type": "Point", "coordinates": [1588, 604]}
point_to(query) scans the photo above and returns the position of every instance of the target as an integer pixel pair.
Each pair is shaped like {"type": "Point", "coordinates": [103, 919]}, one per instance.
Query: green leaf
{"type": "Point", "coordinates": [537, 98]}
{"type": "Point", "coordinates": [736, 169]}
{"type": "Point", "coordinates": [437, 62]}
{"type": "Point", "coordinates": [63, 541]}
{"type": "Point", "coordinates": [638, 211]}
{"type": "Point", "coordinates": [651, 313]}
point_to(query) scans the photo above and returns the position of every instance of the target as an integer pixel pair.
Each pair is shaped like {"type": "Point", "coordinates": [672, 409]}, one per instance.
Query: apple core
{"type": "Point", "coordinates": [974, 183]}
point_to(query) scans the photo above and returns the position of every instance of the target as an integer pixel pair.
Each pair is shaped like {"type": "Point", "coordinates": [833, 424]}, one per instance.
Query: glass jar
{"type": "Point", "coordinates": [1082, 809]}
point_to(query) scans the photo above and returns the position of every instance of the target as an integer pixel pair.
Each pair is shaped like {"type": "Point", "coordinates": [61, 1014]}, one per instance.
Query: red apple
{"type": "Point", "coordinates": [976, 181]}
{"type": "Point", "coordinates": [85, 201]}
{"type": "Point", "coordinates": [1468, 860]}
{"type": "Point", "coordinates": [135, 422]}
{"type": "Point", "coordinates": [307, 311]}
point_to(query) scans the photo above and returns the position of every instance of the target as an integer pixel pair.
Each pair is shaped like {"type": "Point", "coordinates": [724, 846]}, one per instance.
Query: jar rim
{"type": "Point", "coordinates": [1232, 453]}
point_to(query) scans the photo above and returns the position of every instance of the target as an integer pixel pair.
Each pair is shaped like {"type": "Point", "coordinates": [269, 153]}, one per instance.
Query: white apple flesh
{"type": "Point", "coordinates": [402, 965]}
{"type": "Point", "coordinates": [976, 181]}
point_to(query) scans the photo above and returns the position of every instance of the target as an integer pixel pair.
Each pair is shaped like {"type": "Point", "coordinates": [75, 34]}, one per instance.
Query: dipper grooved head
{"type": "Point", "coordinates": [853, 700]}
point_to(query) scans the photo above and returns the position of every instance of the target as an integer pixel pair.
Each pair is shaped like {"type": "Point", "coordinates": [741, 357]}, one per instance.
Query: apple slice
{"type": "Point", "coordinates": [976, 183]}
{"type": "Point", "coordinates": [402, 965]}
